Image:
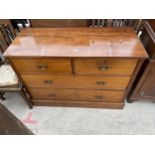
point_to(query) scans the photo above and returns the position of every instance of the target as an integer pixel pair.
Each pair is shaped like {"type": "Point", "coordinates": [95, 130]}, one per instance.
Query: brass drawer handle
{"type": "Point", "coordinates": [42, 67]}
{"type": "Point", "coordinates": [98, 97]}
{"type": "Point", "coordinates": [100, 83]}
{"type": "Point", "coordinates": [103, 67]}
{"type": "Point", "coordinates": [48, 81]}
{"type": "Point", "coordinates": [52, 95]}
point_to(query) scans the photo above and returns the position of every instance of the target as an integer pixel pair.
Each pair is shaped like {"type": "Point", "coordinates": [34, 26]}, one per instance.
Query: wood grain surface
{"type": "Point", "coordinates": [77, 42]}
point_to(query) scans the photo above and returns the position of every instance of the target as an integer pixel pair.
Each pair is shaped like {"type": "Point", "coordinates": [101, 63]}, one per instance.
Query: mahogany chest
{"type": "Point", "coordinates": [88, 67]}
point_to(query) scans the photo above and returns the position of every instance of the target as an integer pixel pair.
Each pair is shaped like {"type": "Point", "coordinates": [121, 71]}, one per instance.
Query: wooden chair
{"type": "Point", "coordinates": [3, 44]}
{"type": "Point", "coordinates": [8, 24]}
{"type": "Point", "coordinates": [9, 81]}
{"type": "Point", "coordinates": [135, 23]}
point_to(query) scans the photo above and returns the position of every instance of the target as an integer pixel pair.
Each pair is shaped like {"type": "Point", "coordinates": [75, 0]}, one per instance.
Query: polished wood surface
{"type": "Point", "coordinates": [92, 82]}
{"type": "Point", "coordinates": [11, 125]}
{"type": "Point", "coordinates": [91, 67]}
{"type": "Point", "coordinates": [77, 42]}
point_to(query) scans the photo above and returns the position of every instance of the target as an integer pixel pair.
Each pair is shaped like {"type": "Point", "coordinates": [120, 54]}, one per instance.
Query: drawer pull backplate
{"type": "Point", "coordinates": [42, 67]}
{"type": "Point", "coordinates": [103, 67]}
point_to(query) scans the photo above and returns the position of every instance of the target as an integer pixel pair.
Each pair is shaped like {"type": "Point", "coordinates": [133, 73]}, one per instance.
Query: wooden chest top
{"type": "Point", "coordinates": [76, 42]}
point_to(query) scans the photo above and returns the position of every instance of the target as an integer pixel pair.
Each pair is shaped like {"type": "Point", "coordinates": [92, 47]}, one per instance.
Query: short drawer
{"type": "Point", "coordinates": [53, 94]}
{"type": "Point", "coordinates": [94, 82]}
{"type": "Point", "coordinates": [100, 96]}
{"type": "Point", "coordinates": [105, 66]}
{"type": "Point", "coordinates": [42, 65]}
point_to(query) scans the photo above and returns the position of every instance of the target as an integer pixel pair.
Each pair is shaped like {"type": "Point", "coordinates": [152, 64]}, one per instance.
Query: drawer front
{"type": "Point", "coordinates": [43, 65]}
{"type": "Point", "coordinates": [101, 96]}
{"type": "Point", "coordinates": [105, 66]}
{"type": "Point", "coordinates": [53, 94]}
{"type": "Point", "coordinates": [94, 82]}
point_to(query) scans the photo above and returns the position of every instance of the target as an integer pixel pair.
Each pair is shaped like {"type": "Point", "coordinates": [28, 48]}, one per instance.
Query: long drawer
{"type": "Point", "coordinates": [42, 65]}
{"type": "Point", "coordinates": [109, 66]}
{"type": "Point", "coordinates": [53, 94]}
{"type": "Point", "coordinates": [100, 96]}
{"type": "Point", "coordinates": [93, 82]}
{"type": "Point", "coordinates": [77, 94]}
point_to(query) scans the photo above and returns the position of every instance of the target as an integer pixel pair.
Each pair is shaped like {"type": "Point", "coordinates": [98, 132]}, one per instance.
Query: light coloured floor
{"type": "Point", "coordinates": [136, 118]}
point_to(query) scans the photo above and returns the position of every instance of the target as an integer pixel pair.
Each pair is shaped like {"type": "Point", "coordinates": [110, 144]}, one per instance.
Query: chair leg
{"type": "Point", "coordinates": [27, 100]}
{"type": "Point", "coordinates": [2, 95]}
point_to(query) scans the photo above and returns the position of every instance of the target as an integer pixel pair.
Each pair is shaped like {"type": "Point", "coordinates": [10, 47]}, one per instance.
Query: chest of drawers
{"type": "Point", "coordinates": [89, 67]}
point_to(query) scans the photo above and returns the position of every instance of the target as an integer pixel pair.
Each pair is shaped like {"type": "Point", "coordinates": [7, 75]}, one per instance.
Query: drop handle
{"type": "Point", "coordinates": [103, 67]}
{"type": "Point", "coordinates": [48, 81]}
{"type": "Point", "coordinates": [42, 67]}
{"type": "Point", "coordinates": [52, 95]}
{"type": "Point", "coordinates": [98, 97]}
{"type": "Point", "coordinates": [100, 82]}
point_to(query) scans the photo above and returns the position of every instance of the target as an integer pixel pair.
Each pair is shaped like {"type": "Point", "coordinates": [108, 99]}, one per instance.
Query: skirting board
{"type": "Point", "coordinates": [78, 104]}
